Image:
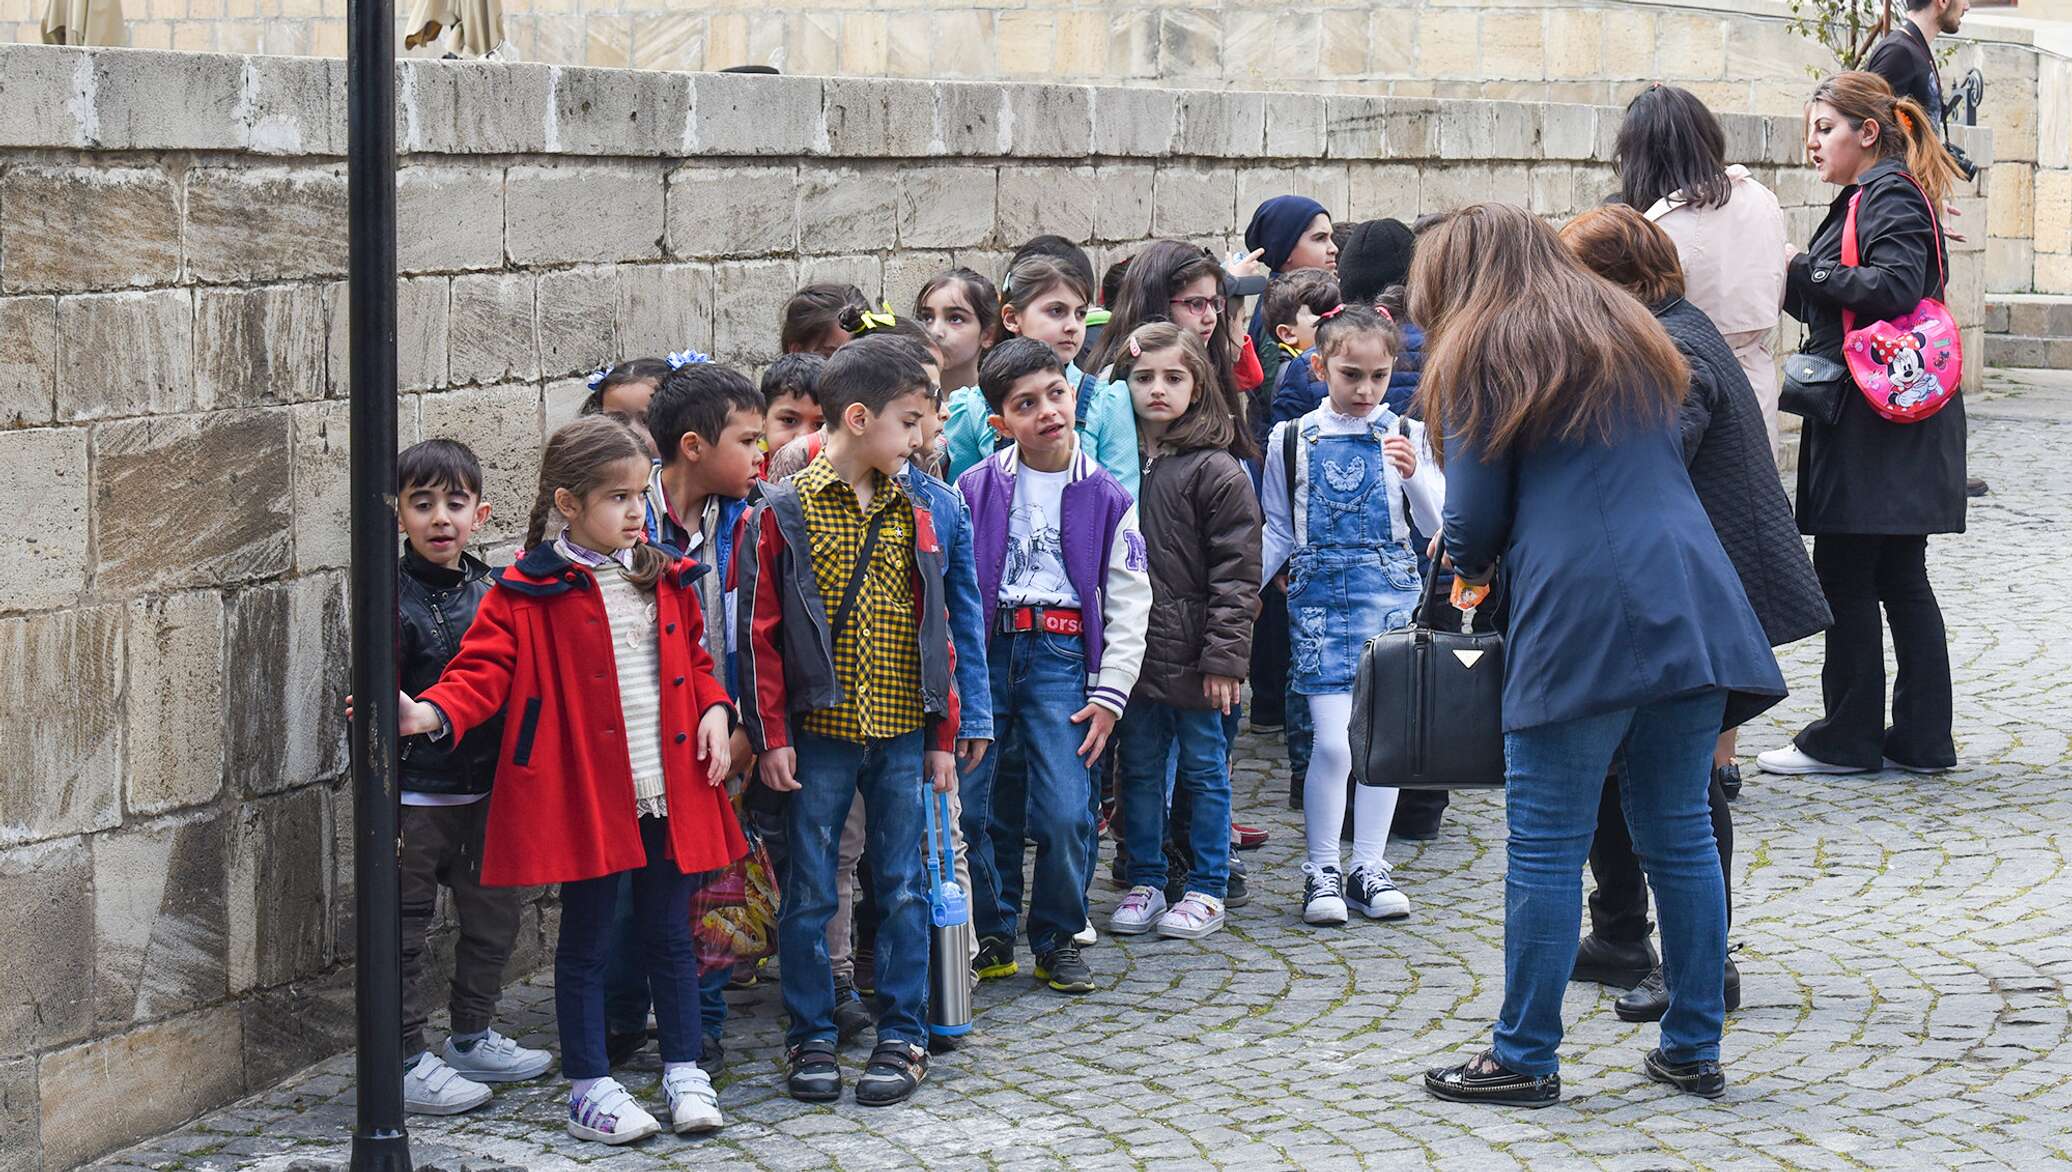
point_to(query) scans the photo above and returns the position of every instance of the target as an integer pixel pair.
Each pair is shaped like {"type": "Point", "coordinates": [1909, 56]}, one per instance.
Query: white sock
{"type": "Point", "coordinates": [579, 1087]}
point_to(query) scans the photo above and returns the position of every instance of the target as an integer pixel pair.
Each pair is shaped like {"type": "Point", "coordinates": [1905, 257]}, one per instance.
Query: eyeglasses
{"type": "Point", "coordinates": [1199, 306]}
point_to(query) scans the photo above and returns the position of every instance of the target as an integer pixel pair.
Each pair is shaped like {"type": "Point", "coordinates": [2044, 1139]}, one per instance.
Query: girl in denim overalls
{"type": "Point", "coordinates": [1337, 481]}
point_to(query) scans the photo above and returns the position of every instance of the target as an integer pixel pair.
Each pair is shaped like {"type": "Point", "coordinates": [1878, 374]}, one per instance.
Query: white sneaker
{"type": "Point", "coordinates": [1138, 911]}
{"type": "Point", "coordinates": [609, 1115]}
{"type": "Point", "coordinates": [1372, 891]}
{"type": "Point", "coordinates": [496, 1058]}
{"type": "Point", "coordinates": [693, 1104]}
{"type": "Point", "coordinates": [433, 1088]}
{"type": "Point", "coordinates": [1323, 895]}
{"type": "Point", "coordinates": [1789, 762]}
{"type": "Point", "coordinates": [1086, 937]}
{"type": "Point", "coordinates": [1195, 916]}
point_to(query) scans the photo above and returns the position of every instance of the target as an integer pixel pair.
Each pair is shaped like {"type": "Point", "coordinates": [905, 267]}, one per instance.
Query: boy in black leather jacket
{"type": "Point", "coordinates": [446, 795]}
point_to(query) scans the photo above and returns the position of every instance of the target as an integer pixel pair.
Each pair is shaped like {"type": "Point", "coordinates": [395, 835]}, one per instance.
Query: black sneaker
{"type": "Point", "coordinates": [944, 1043]}
{"type": "Point", "coordinates": [1482, 1079]}
{"type": "Point", "coordinates": [1062, 969]}
{"type": "Point", "coordinates": [851, 1015]}
{"type": "Point", "coordinates": [1236, 892]}
{"type": "Point", "coordinates": [1610, 962]}
{"type": "Point", "coordinates": [864, 967]}
{"type": "Point", "coordinates": [619, 1048]}
{"type": "Point", "coordinates": [995, 958]}
{"type": "Point", "coordinates": [814, 1076]}
{"type": "Point", "coordinates": [1729, 778]}
{"type": "Point", "coordinates": [1649, 1000]}
{"type": "Point", "coordinates": [896, 1069]}
{"type": "Point", "coordinates": [1703, 1078]}
{"type": "Point", "coordinates": [712, 1054]}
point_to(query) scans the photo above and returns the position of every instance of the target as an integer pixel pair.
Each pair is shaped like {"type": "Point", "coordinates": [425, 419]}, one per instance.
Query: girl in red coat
{"type": "Point", "coordinates": [614, 748]}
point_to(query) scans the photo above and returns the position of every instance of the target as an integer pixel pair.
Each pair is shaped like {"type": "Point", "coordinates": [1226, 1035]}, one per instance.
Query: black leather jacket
{"type": "Point", "coordinates": [434, 606]}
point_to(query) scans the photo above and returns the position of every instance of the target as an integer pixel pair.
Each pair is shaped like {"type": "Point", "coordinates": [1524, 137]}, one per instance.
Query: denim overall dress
{"type": "Point", "coordinates": [1353, 574]}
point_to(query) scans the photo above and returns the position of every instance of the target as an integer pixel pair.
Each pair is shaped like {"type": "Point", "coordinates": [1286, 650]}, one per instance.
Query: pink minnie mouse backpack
{"type": "Point", "coordinates": [1908, 367]}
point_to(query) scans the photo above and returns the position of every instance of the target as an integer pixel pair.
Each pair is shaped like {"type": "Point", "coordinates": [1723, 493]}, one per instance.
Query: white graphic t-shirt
{"type": "Point", "coordinates": [1035, 570]}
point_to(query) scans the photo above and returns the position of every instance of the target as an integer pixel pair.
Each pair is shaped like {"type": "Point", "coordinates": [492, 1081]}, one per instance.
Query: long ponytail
{"type": "Point", "coordinates": [575, 459]}
{"type": "Point", "coordinates": [1904, 131]}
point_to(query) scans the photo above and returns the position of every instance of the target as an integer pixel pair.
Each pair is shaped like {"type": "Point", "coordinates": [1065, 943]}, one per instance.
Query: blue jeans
{"type": "Point", "coordinates": [661, 898]}
{"type": "Point", "coordinates": [1148, 734]}
{"type": "Point", "coordinates": [831, 773]}
{"type": "Point", "coordinates": [1555, 777]}
{"type": "Point", "coordinates": [1039, 681]}
{"type": "Point", "coordinates": [626, 980]}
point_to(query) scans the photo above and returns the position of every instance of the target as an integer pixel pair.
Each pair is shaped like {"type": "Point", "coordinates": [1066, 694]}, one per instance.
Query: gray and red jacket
{"type": "Point", "coordinates": [1105, 560]}
{"type": "Point", "coordinates": [785, 651]}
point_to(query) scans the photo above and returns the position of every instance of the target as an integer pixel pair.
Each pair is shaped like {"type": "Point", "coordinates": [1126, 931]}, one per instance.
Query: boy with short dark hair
{"type": "Point", "coordinates": [445, 796]}
{"type": "Point", "coordinates": [791, 394]}
{"type": "Point", "coordinates": [707, 423]}
{"type": "Point", "coordinates": [1295, 302]}
{"type": "Point", "coordinates": [1064, 578]}
{"type": "Point", "coordinates": [846, 677]}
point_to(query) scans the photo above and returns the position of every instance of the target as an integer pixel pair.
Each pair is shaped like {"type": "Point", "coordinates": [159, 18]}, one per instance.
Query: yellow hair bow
{"type": "Point", "coordinates": [874, 320]}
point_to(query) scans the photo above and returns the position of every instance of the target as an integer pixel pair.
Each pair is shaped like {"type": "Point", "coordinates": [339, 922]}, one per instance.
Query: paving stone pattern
{"type": "Point", "coordinates": [1902, 942]}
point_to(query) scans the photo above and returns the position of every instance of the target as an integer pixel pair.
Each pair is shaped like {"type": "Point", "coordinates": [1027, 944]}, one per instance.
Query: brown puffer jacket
{"type": "Point", "coordinates": [1201, 520]}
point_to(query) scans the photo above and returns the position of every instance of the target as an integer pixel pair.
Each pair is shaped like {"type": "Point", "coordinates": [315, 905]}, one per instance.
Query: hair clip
{"type": "Point", "coordinates": [1386, 316]}
{"type": "Point", "coordinates": [597, 377]}
{"type": "Point", "coordinates": [1905, 120]}
{"type": "Point", "coordinates": [1332, 312]}
{"type": "Point", "coordinates": [1136, 347]}
{"type": "Point", "coordinates": [876, 320]}
{"type": "Point", "coordinates": [682, 358]}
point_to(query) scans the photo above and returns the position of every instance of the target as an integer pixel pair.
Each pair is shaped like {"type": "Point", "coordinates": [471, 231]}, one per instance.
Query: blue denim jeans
{"type": "Point", "coordinates": [626, 981]}
{"type": "Point", "coordinates": [1202, 783]}
{"type": "Point", "coordinates": [1555, 777]}
{"type": "Point", "coordinates": [831, 773]}
{"type": "Point", "coordinates": [1039, 681]}
{"type": "Point", "coordinates": [661, 900]}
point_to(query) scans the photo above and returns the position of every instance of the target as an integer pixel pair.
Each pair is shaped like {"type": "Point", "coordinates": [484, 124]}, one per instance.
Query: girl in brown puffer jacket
{"type": "Point", "coordinates": [1201, 522]}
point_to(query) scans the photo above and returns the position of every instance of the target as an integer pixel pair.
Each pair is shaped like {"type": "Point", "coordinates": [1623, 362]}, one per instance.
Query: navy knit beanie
{"type": "Point", "coordinates": [1278, 225]}
{"type": "Point", "coordinates": [1376, 256]}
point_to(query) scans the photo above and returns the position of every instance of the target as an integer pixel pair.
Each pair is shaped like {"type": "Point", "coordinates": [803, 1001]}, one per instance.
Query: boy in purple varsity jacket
{"type": "Point", "coordinates": [1063, 579]}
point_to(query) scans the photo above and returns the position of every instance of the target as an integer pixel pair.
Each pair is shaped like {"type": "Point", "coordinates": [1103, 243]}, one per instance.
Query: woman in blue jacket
{"type": "Point", "coordinates": [1629, 630]}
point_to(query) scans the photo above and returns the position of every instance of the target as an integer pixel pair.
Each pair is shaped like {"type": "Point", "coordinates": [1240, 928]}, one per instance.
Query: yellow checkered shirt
{"type": "Point", "coordinates": [881, 690]}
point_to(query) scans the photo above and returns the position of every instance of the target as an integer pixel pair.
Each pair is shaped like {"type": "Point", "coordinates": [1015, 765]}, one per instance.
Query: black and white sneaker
{"type": "Point", "coordinates": [895, 1071]}
{"type": "Point", "coordinates": [1323, 895]}
{"type": "Point", "coordinates": [814, 1075]}
{"type": "Point", "coordinates": [851, 1014]}
{"type": "Point", "coordinates": [1371, 890]}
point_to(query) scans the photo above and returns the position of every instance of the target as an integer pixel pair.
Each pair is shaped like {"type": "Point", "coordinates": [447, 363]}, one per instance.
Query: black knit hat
{"type": "Point", "coordinates": [1376, 257]}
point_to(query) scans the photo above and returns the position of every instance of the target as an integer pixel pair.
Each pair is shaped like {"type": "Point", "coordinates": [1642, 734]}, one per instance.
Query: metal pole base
{"type": "Point", "coordinates": [381, 1153]}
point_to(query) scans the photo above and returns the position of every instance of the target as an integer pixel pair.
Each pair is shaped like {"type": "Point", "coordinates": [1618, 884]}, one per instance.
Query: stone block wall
{"type": "Point", "coordinates": [175, 848]}
{"type": "Point", "coordinates": [1738, 57]}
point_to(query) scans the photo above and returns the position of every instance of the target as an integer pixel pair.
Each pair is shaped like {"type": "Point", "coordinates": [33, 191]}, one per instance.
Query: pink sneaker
{"type": "Point", "coordinates": [1138, 912]}
{"type": "Point", "coordinates": [1194, 917]}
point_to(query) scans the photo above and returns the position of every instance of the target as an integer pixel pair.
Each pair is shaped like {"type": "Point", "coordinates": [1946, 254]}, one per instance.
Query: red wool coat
{"type": "Point", "coordinates": [540, 649]}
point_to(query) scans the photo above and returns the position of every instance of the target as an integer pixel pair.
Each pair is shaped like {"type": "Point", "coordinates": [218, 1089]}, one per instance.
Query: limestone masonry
{"type": "Point", "coordinates": [175, 871]}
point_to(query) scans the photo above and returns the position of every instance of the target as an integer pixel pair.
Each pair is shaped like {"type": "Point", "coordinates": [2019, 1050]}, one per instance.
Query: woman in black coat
{"type": "Point", "coordinates": [1726, 450]}
{"type": "Point", "coordinates": [1871, 490]}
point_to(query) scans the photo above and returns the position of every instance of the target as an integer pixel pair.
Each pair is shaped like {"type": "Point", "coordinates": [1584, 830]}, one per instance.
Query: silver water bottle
{"type": "Point", "coordinates": [949, 936]}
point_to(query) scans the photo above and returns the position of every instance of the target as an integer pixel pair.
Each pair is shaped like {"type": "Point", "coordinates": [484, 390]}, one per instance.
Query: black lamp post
{"type": "Point", "coordinates": [379, 1141]}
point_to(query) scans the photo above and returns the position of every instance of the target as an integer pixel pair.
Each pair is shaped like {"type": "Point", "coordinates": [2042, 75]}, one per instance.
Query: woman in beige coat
{"type": "Point", "coordinates": [1728, 229]}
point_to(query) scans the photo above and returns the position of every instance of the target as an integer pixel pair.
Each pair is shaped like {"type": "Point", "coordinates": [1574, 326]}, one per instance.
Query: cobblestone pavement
{"type": "Point", "coordinates": [1904, 952]}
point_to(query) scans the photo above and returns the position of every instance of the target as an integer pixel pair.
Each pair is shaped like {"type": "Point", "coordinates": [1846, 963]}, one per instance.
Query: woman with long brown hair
{"type": "Point", "coordinates": [1556, 394]}
{"type": "Point", "coordinates": [1871, 490]}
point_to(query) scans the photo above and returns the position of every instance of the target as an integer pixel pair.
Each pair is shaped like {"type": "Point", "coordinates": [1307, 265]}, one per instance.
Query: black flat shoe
{"type": "Point", "coordinates": [1729, 778]}
{"type": "Point", "coordinates": [1704, 1079]}
{"type": "Point", "coordinates": [1482, 1079]}
{"type": "Point", "coordinates": [619, 1049]}
{"type": "Point", "coordinates": [1609, 962]}
{"type": "Point", "coordinates": [1649, 1000]}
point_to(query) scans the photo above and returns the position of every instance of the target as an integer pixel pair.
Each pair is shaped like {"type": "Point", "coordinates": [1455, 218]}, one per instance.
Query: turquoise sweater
{"type": "Point", "coordinates": [1107, 428]}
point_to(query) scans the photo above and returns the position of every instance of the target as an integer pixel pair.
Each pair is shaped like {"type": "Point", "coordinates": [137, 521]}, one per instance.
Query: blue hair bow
{"type": "Point", "coordinates": [596, 377]}
{"type": "Point", "coordinates": [683, 358]}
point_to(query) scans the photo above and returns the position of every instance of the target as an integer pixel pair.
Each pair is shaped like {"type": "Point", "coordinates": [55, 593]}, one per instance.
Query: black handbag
{"type": "Point", "coordinates": [1815, 387]}
{"type": "Point", "coordinates": [1428, 702]}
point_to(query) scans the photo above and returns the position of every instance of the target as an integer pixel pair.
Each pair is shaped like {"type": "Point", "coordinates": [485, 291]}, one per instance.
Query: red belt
{"type": "Point", "coordinates": [1039, 618]}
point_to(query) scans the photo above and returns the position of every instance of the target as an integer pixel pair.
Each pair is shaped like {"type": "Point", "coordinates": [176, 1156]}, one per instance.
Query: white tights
{"type": "Point", "coordinates": [1323, 790]}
